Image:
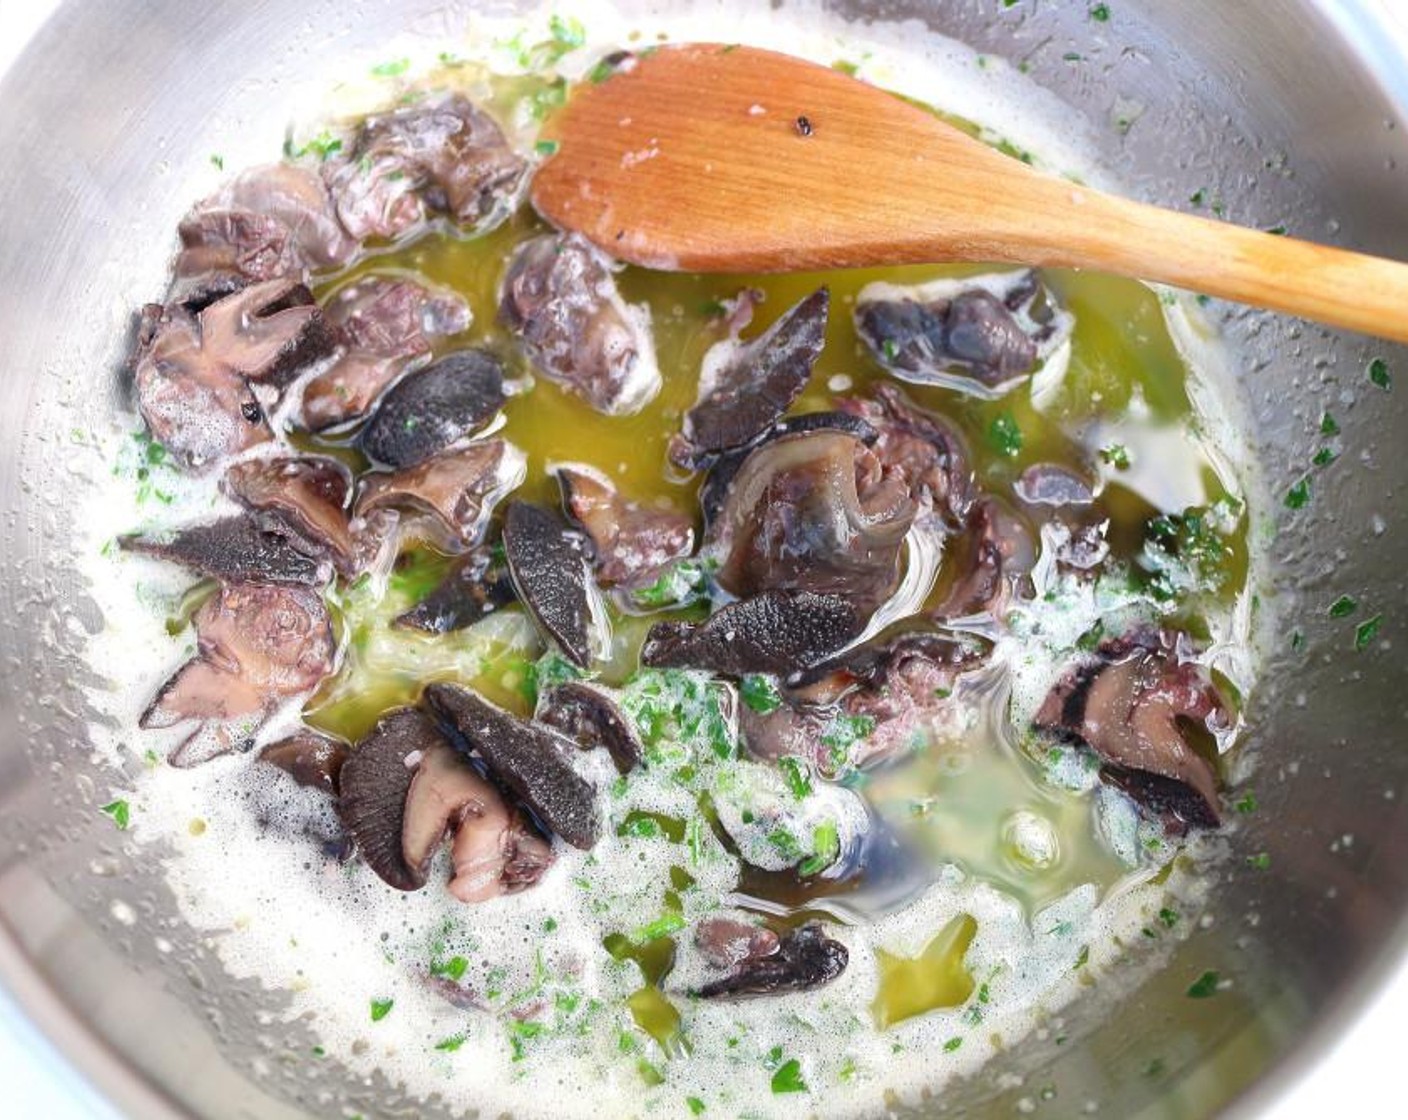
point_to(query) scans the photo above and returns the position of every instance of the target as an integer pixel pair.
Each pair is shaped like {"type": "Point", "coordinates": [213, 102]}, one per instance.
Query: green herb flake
{"type": "Point", "coordinates": [318, 1052]}
{"type": "Point", "coordinates": [1100, 13]}
{"type": "Point", "coordinates": [393, 69]}
{"type": "Point", "coordinates": [640, 827]}
{"type": "Point", "coordinates": [1116, 455]}
{"type": "Point", "coordinates": [1245, 804]}
{"type": "Point", "coordinates": [663, 926]}
{"type": "Point", "coordinates": [649, 1073]}
{"type": "Point", "coordinates": [796, 775]}
{"type": "Point", "coordinates": [1297, 642]}
{"type": "Point", "coordinates": [694, 1104]}
{"type": "Point", "coordinates": [1091, 639]}
{"type": "Point", "coordinates": [1343, 607]}
{"type": "Point", "coordinates": [1277, 231]}
{"type": "Point", "coordinates": [600, 72]}
{"type": "Point", "coordinates": [785, 844]}
{"type": "Point", "coordinates": [952, 1044]}
{"type": "Point", "coordinates": [1298, 496]}
{"type": "Point", "coordinates": [218, 162]}
{"type": "Point", "coordinates": [1379, 375]}
{"type": "Point", "coordinates": [520, 1032]}
{"type": "Point", "coordinates": [120, 812]}
{"type": "Point", "coordinates": [843, 732]}
{"type": "Point", "coordinates": [890, 349]}
{"type": "Point", "coordinates": [842, 66]}
{"type": "Point", "coordinates": [1198, 197]}
{"type": "Point", "coordinates": [546, 147]}
{"type": "Point", "coordinates": [1366, 632]}
{"type": "Point", "coordinates": [451, 1044]}
{"type": "Point", "coordinates": [1168, 918]}
{"type": "Point", "coordinates": [1259, 862]}
{"type": "Point", "coordinates": [567, 32]}
{"type": "Point", "coordinates": [1004, 435]}
{"type": "Point", "coordinates": [324, 145]}
{"type": "Point", "coordinates": [1083, 958]}
{"type": "Point", "coordinates": [381, 1008]}
{"type": "Point", "coordinates": [788, 1078]}
{"type": "Point", "coordinates": [1328, 425]}
{"type": "Point", "coordinates": [826, 847]}
{"type": "Point", "coordinates": [452, 969]}
{"type": "Point", "coordinates": [760, 693]}
{"type": "Point", "coordinates": [678, 585]}
{"type": "Point", "coordinates": [1324, 457]}
{"type": "Point", "coordinates": [1204, 987]}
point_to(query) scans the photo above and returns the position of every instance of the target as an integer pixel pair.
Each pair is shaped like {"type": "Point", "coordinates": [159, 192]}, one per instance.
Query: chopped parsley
{"type": "Point", "coordinates": [841, 734]}
{"type": "Point", "coordinates": [1116, 455]}
{"type": "Point", "coordinates": [545, 674]}
{"type": "Point", "coordinates": [952, 1044]}
{"type": "Point", "coordinates": [1168, 918]}
{"type": "Point", "coordinates": [760, 693]}
{"type": "Point", "coordinates": [1366, 632]}
{"type": "Point", "coordinates": [451, 1044]}
{"type": "Point", "coordinates": [694, 1104]}
{"type": "Point", "coordinates": [568, 32]}
{"type": "Point", "coordinates": [826, 846]}
{"type": "Point", "coordinates": [1204, 986]}
{"type": "Point", "coordinates": [392, 69]}
{"type": "Point", "coordinates": [1298, 496]}
{"type": "Point", "coordinates": [218, 161]}
{"type": "Point", "coordinates": [663, 926]}
{"type": "Point", "coordinates": [1328, 425]}
{"type": "Point", "coordinates": [1379, 375]}
{"type": "Point", "coordinates": [788, 1078]}
{"type": "Point", "coordinates": [452, 969]}
{"type": "Point", "coordinates": [1260, 862]}
{"type": "Point", "coordinates": [1343, 607]}
{"type": "Point", "coordinates": [546, 147]}
{"type": "Point", "coordinates": [785, 844]}
{"type": "Point", "coordinates": [1004, 435]}
{"type": "Point", "coordinates": [1100, 13]}
{"type": "Point", "coordinates": [677, 585]}
{"type": "Point", "coordinates": [381, 1008]}
{"type": "Point", "coordinates": [1245, 804]}
{"type": "Point", "coordinates": [600, 72]}
{"type": "Point", "coordinates": [120, 812]}
{"type": "Point", "coordinates": [1324, 457]}
{"type": "Point", "coordinates": [519, 1032]}
{"type": "Point", "coordinates": [796, 775]}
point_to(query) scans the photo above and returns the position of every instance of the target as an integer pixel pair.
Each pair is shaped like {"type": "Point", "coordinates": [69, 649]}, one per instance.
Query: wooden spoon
{"type": "Point", "coordinates": [708, 158]}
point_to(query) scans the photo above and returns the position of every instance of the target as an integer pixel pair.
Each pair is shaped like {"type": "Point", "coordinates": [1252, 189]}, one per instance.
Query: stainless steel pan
{"type": "Point", "coordinates": [1294, 112]}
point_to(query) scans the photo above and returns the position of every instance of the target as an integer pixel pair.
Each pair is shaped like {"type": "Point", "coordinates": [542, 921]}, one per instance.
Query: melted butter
{"type": "Point", "coordinates": [935, 979]}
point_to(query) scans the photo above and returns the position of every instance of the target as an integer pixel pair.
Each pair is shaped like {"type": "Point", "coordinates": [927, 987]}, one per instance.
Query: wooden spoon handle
{"type": "Point", "coordinates": [1333, 286]}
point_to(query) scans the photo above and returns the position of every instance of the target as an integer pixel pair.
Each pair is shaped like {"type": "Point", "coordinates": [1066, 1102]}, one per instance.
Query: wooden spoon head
{"type": "Point", "coordinates": [713, 158]}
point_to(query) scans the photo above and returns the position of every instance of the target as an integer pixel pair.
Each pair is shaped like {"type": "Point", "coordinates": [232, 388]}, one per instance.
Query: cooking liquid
{"type": "Point", "coordinates": [1000, 876]}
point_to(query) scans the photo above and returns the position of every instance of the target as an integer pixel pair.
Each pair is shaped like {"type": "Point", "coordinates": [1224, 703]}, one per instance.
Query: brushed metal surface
{"type": "Point", "coordinates": [1292, 112]}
